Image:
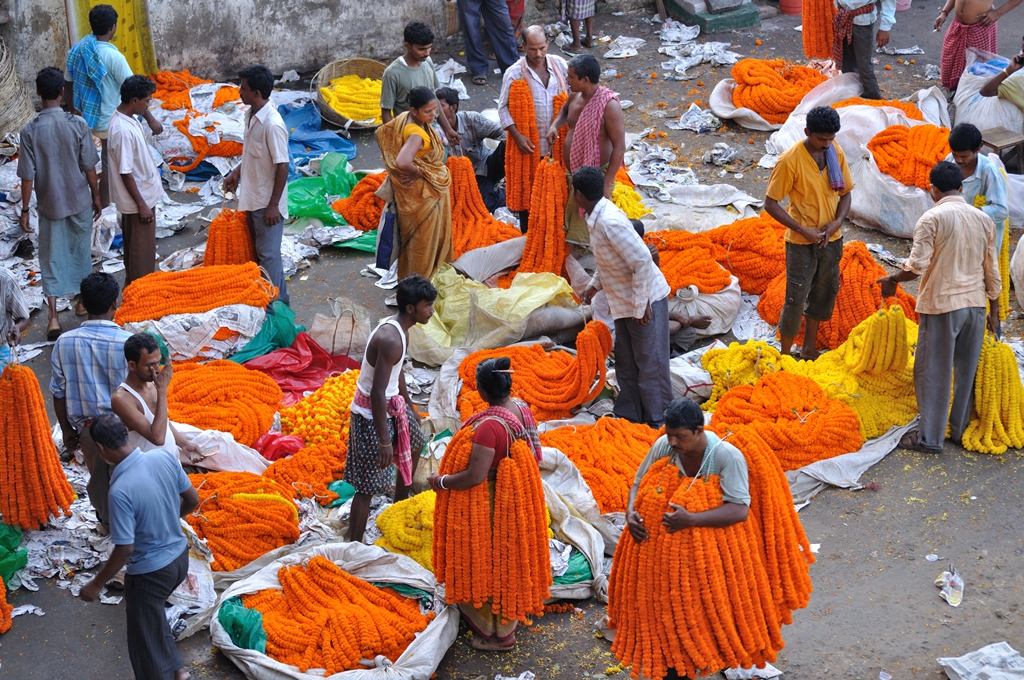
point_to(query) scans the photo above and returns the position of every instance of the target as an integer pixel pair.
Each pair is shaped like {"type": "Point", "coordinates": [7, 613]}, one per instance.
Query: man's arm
{"type": "Point", "coordinates": [993, 15]}
{"type": "Point", "coordinates": [991, 86]}
{"type": "Point", "coordinates": [561, 120]}
{"type": "Point", "coordinates": [724, 515]}
{"type": "Point", "coordinates": [145, 212]}
{"type": "Point", "coordinates": [994, 189]}
{"type": "Point", "coordinates": [127, 409]}
{"type": "Point", "coordinates": [26, 199]}
{"type": "Point", "coordinates": [993, 282]}
{"type": "Point", "coordinates": [69, 97]}
{"type": "Point", "coordinates": [615, 128]}
{"type": "Point", "coordinates": [918, 262]}
{"type": "Point", "coordinates": [118, 558]}
{"type": "Point", "coordinates": [887, 14]}
{"type": "Point", "coordinates": [189, 501]}
{"type": "Point", "coordinates": [389, 351]}
{"type": "Point", "coordinates": [388, 96]}
{"type": "Point", "coordinates": [404, 391]}
{"type": "Point", "coordinates": [273, 214]}
{"type": "Point", "coordinates": [842, 210]}
{"type": "Point", "coordinates": [27, 174]}
{"type": "Point", "coordinates": [780, 215]}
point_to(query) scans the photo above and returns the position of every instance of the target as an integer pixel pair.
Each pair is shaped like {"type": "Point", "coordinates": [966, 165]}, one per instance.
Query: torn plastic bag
{"type": "Point", "coordinates": [307, 197]}
{"type": "Point", "coordinates": [243, 625]}
{"type": "Point", "coordinates": [223, 453]}
{"type": "Point", "coordinates": [305, 139]}
{"type": "Point", "coordinates": [983, 112]}
{"type": "Point", "coordinates": [12, 559]}
{"type": "Point", "coordinates": [303, 367]}
{"type": "Point", "coordinates": [278, 330]}
{"type": "Point", "coordinates": [722, 306]}
{"type": "Point", "coordinates": [274, 445]}
{"type": "Point", "coordinates": [824, 94]}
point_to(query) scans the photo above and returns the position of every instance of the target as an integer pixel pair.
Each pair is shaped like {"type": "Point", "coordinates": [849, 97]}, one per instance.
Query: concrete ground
{"type": "Point", "coordinates": [874, 606]}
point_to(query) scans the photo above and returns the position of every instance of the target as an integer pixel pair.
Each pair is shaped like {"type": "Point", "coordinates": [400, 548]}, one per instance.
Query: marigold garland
{"type": "Point", "coordinates": [752, 249]}
{"type": "Point", "coordinates": [558, 150]}
{"type": "Point", "coordinates": [772, 88]}
{"type": "Point", "coordinates": [546, 248]}
{"type": "Point", "coordinates": [507, 564]}
{"type": "Point", "coordinates": [552, 383]}
{"type": "Point", "coordinates": [172, 88]}
{"type": "Point", "coordinates": [308, 471]}
{"type": "Point", "coordinates": [908, 154]}
{"type": "Point", "coordinates": [194, 291]}
{"type": "Point", "coordinates": [362, 208]}
{"type": "Point", "coordinates": [629, 200]}
{"type": "Point", "coordinates": [520, 168]}
{"type": "Point", "coordinates": [323, 417]}
{"type": "Point", "coordinates": [908, 108]}
{"type": "Point", "coordinates": [229, 240]}
{"type": "Point", "coordinates": [5, 610]}
{"type": "Point", "coordinates": [688, 259]}
{"type": "Point", "coordinates": [740, 364]}
{"type": "Point", "coordinates": [997, 419]}
{"type": "Point", "coordinates": [622, 177]}
{"type": "Point", "coordinates": [817, 28]}
{"type": "Point", "coordinates": [33, 486]}
{"type": "Point", "coordinates": [354, 97]}
{"type": "Point", "coordinates": [408, 528]}
{"type": "Point", "coordinates": [202, 148]}
{"type": "Point", "coordinates": [607, 454]}
{"type": "Point", "coordinates": [1004, 260]}
{"type": "Point", "coordinates": [473, 226]}
{"type": "Point", "coordinates": [225, 396]}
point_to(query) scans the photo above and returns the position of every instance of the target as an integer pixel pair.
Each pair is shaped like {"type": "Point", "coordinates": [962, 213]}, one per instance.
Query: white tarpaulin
{"type": "Point", "coordinates": [220, 451]}
{"type": "Point", "coordinates": [698, 207]}
{"type": "Point", "coordinates": [191, 335]}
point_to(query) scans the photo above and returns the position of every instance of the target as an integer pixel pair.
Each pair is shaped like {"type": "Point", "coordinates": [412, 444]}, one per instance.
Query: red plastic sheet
{"type": "Point", "coordinates": [301, 368]}
{"type": "Point", "coordinates": [274, 445]}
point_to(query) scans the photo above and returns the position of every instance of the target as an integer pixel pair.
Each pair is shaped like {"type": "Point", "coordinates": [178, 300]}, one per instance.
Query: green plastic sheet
{"type": "Point", "coordinates": [308, 196]}
{"type": "Point", "coordinates": [278, 330]}
{"type": "Point", "coordinates": [243, 625]}
{"type": "Point", "coordinates": [366, 243]}
{"type": "Point", "coordinates": [406, 591]}
{"type": "Point", "coordinates": [344, 490]}
{"type": "Point", "coordinates": [11, 558]}
{"type": "Point", "coordinates": [579, 570]}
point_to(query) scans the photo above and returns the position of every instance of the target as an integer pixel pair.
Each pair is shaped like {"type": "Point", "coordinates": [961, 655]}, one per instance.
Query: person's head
{"type": "Point", "coordinates": [99, 295]}
{"type": "Point", "coordinates": [965, 142]}
{"type": "Point", "coordinates": [821, 127]}
{"type": "Point", "coordinates": [684, 426]}
{"type": "Point", "coordinates": [257, 84]}
{"type": "Point", "coordinates": [494, 379]}
{"type": "Point", "coordinates": [448, 100]}
{"type": "Point", "coordinates": [143, 355]}
{"type": "Point", "coordinates": [639, 227]}
{"type": "Point", "coordinates": [137, 93]}
{"type": "Point", "coordinates": [946, 180]}
{"type": "Point", "coordinates": [415, 298]}
{"type": "Point", "coordinates": [588, 185]}
{"type": "Point", "coordinates": [584, 73]}
{"type": "Point", "coordinates": [536, 45]}
{"type": "Point", "coordinates": [111, 438]}
{"type": "Point", "coordinates": [50, 84]}
{"type": "Point", "coordinates": [423, 105]}
{"type": "Point", "coordinates": [103, 21]}
{"type": "Point", "coordinates": [418, 38]}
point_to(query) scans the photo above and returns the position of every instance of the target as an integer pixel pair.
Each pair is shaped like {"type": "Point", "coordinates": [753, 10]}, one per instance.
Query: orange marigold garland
{"type": "Point", "coordinates": [196, 290]}
{"type": "Point", "coordinates": [558, 150]}
{"type": "Point", "coordinates": [172, 88]}
{"type": "Point", "coordinates": [473, 226]}
{"type": "Point", "coordinates": [229, 240]}
{"type": "Point", "coordinates": [908, 108]}
{"type": "Point", "coordinates": [224, 148]}
{"type": "Point", "coordinates": [5, 610]}
{"type": "Point", "coordinates": [752, 249]}
{"type": "Point", "coordinates": [519, 167]}
{"type": "Point", "coordinates": [362, 208]}
{"type": "Point", "coordinates": [908, 154]}
{"type": "Point", "coordinates": [546, 248]}
{"type": "Point", "coordinates": [772, 88]}
{"type": "Point", "coordinates": [308, 471]}
{"type": "Point", "coordinates": [33, 486]}
{"type": "Point", "coordinates": [817, 28]}
{"type": "Point", "coordinates": [689, 259]}
{"type": "Point", "coordinates": [323, 417]}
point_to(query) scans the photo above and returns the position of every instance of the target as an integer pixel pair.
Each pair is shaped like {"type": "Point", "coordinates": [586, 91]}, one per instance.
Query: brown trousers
{"type": "Point", "coordinates": [138, 242]}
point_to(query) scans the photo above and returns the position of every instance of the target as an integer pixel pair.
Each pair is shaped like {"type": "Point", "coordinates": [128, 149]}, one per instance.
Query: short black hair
{"type": "Point", "coordinates": [102, 18]}
{"type": "Point", "coordinates": [109, 431]}
{"type": "Point", "coordinates": [449, 95]}
{"type": "Point", "coordinates": [414, 289]}
{"type": "Point", "coordinates": [50, 83]}
{"type": "Point", "coordinates": [823, 120]}
{"type": "Point", "coordinates": [589, 181]}
{"type": "Point", "coordinates": [946, 176]}
{"type": "Point", "coordinates": [418, 33]}
{"type": "Point", "coordinates": [136, 87]}
{"type": "Point", "coordinates": [639, 227]}
{"type": "Point", "coordinates": [964, 137]}
{"type": "Point", "coordinates": [586, 66]}
{"type": "Point", "coordinates": [259, 78]}
{"type": "Point", "coordinates": [420, 96]}
{"type": "Point", "coordinates": [497, 386]}
{"type": "Point", "coordinates": [99, 292]}
{"type": "Point", "coordinates": [684, 413]}
{"type": "Point", "coordinates": [134, 346]}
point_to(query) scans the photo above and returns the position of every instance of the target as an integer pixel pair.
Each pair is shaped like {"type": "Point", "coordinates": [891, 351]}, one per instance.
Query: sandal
{"type": "Point", "coordinates": [54, 330]}
{"type": "Point", "coordinates": [480, 80]}
{"type": "Point", "coordinates": [912, 442]}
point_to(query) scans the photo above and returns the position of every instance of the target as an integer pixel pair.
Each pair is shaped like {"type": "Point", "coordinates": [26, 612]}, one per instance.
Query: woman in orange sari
{"type": "Point", "coordinates": [414, 157]}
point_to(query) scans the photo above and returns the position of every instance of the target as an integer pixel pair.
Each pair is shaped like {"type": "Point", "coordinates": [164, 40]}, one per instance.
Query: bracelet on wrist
{"type": "Point", "coordinates": [382, 445]}
{"type": "Point", "coordinates": [440, 482]}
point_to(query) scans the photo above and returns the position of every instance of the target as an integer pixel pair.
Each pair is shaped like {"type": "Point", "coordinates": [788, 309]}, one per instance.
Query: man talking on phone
{"type": "Point", "coordinates": [1008, 83]}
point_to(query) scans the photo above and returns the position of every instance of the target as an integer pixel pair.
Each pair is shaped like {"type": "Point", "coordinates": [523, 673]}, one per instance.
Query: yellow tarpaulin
{"type": "Point", "coordinates": [132, 36]}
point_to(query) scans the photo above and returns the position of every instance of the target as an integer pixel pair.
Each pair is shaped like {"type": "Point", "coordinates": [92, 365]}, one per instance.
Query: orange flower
{"type": "Point", "coordinates": [908, 108]}
{"type": "Point", "coordinates": [172, 88]}
{"type": "Point", "coordinates": [817, 30]}
{"type": "Point", "coordinates": [5, 610]}
{"type": "Point", "coordinates": [308, 471]}
{"type": "Point", "coordinates": [909, 154]}
{"type": "Point", "coordinates": [229, 241]}
{"type": "Point", "coordinates": [689, 259]}
{"type": "Point", "coordinates": [224, 148]}
{"type": "Point", "coordinates": [752, 249]}
{"type": "Point", "coordinates": [772, 88]}
{"type": "Point", "coordinates": [362, 208]}
{"type": "Point", "coordinates": [546, 248]}
{"type": "Point", "coordinates": [473, 226]}
{"type": "Point", "coordinates": [520, 167]}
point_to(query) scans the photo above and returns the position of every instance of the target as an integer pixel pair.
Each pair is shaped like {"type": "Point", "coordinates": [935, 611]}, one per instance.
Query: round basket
{"type": "Point", "coordinates": [364, 68]}
{"type": "Point", "coordinates": [16, 106]}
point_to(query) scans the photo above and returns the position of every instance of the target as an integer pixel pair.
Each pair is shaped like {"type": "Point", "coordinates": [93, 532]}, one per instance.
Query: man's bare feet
{"type": "Point", "coordinates": [588, 41]}
{"type": "Point", "coordinates": [574, 47]}
{"type": "Point", "coordinates": [808, 355]}
{"type": "Point", "coordinates": [483, 644]}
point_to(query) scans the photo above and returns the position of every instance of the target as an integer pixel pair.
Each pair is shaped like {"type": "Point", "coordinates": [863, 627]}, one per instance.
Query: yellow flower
{"type": "Point", "coordinates": [627, 199]}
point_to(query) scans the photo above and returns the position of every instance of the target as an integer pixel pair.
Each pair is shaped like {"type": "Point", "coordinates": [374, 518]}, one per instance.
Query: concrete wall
{"type": "Point", "coordinates": [37, 35]}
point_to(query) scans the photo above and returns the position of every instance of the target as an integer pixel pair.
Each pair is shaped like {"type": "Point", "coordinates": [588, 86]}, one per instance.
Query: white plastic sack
{"type": "Point", "coordinates": [983, 112]}
{"type": "Point", "coordinates": [700, 207]}
{"type": "Point", "coordinates": [370, 563]}
{"type": "Point", "coordinates": [933, 106]}
{"type": "Point", "coordinates": [1015, 194]}
{"type": "Point", "coordinates": [483, 263]}
{"type": "Point", "coordinates": [1017, 273]}
{"type": "Point", "coordinates": [226, 455]}
{"type": "Point", "coordinates": [882, 203]}
{"type": "Point", "coordinates": [564, 478]}
{"type": "Point", "coordinates": [570, 528]}
{"type": "Point", "coordinates": [722, 306]}
{"type": "Point", "coordinates": [829, 92]}
{"type": "Point", "coordinates": [689, 379]}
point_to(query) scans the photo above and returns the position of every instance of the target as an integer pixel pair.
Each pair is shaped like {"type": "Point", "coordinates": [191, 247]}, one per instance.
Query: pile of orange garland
{"type": "Point", "coordinates": [5, 610]}
{"type": "Point", "coordinates": [229, 240]}
{"type": "Point", "coordinates": [688, 259]}
{"type": "Point", "coordinates": [752, 249]}
{"type": "Point", "coordinates": [323, 617]}
{"type": "Point", "coordinates": [308, 471]}
{"type": "Point", "coordinates": [172, 89]}
{"type": "Point", "coordinates": [607, 454]}
{"type": "Point", "coordinates": [908, 108]}
{"type": "Point", "coordinates": [506, 565]}
{"type": "Point", "coordinates": [546, 247]}
{"type": "Point", "coordinates": [817, 28]}
{"type": "Point", "coordinates": [908, 154]}
{"type": "Point", "coordinates": [772, 88]}
{"type": "Point", "coordinates": [552, 383]}
{"type": "Point", "coordinates": [362, 208]}
{"type": "Point", "coordinates": [202, 148]}
{"type": "Point", "coordinates": [33, 486]}
{"type": "Point", "coordinates": [193, 291]}
{"type": "Point", "coordinates": [520, 167]}
{"type": "Point", "coordinates": [473, 226]}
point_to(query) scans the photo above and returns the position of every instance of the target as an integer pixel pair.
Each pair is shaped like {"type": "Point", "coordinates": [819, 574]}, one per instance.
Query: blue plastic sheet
{"type": "Point", "coordinates": [306, 140]}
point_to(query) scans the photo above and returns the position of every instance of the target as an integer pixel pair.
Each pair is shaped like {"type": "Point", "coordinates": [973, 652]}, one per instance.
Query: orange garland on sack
{"type": "Point", "coordinates": [172, 88]}
{"type": "Point", "coordinates": [362, 208]}
{"type": "Point", "coordinates": [229, 240]}
{"type": "Point", "coordinates": [859, 297]}
{"type": "Point", "coordinates": [552, 383]}
{"type": "Point", "coordinates": [308, 471]}
{"type": "Point", "coordinates": [194, 291]}
{"type": "Point", "coordinates": [473, 226]}
{"type": "Point", "coordinates": [506, 564]}
{"type": "Point", "coordinates": [33, 486]}
{"type": "Point", "coordinates": [225, 396]}
{"type": "Point", "coordinates": [908, 154]}
{"type": "Point", "coordinates": [772, 88]}
{"type": "Point", "coordinates": [224, 148]}
{"type": "Point", "coordinates": [689, 259]}
{"type": "Point", "coordinates": [907, 108]}
{"type": "Point", "coordinates": [752, 249]}
{"type": "Point", "coordinates": [520, 168]}
{"type": "Point", "coordinates": [546, 247]}
{"type": "Point", "coordinates": [817, 28]}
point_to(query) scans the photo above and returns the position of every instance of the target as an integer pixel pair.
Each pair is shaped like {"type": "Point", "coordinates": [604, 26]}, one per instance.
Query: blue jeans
{"type": "Point", "coordinates": [5, 355]}
{"type": "Point", "coordinates": [499, 30]}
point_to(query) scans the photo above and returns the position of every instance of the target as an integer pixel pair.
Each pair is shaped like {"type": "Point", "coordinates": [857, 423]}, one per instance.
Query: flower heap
{"type": "Point", "coordinates": [194, 291]}
{"type": "Point", "coordinates": [908, 108]}
{"type": "Point", "coordinates": [997, 421]}
{"type": "Point", "coordinates": [794, 417]}
{"type": "Point", "coordinates": [908, 154]}
{"type": "Point", "coordinates": [817, 28]}
{"type": "Point", "coordinates": [545, 248]}
{"type": "Point", "coordinates": [225, 396]}
{"type": "Point", "coordinates": [688, 259]}
{"type": "Point", "coordinates": [33, 486]}
{"type": "Point", "coordinates": [740, 364]}
{"type": "Point", "coordinates": [308, 471]}
{"type": "Point", "coordinates": [772, 88]}
{"type": "Point", "coordinates": [229, 241]}
{"type": "Point", "coordinates": [607, 454]}
{"type": "Point", "coordinates": [629, 200]}
{"type": "Point", "coordinates": [242, 516]}
{"type": "Point", "coordinates": [200, 145]}
{"type": "Point", "coordinates": [354, 97]}
{"type": "Point", "coordinates": [323, 617]}
{"type": "Point", "coordinates": [507, 564]}
{"type": "Point", "coordinates": [752, 249]}
{"type": "Point", "coordinates": [552, 383]}
{"type": "Point", "coordinates": [362, 208]}
{"type": "Point", "coordinates": [473, 226]}
{"type": "Point", "coordinates": [172, 88]}
{"type": "Point", "coordinates": [1004, 260]}
{"type": "Point", "coordinates": [323, 417]}
{"type": "Point", "coordinates": [520, 168]}
{"type": "Point", "coordinates": [408, 528]}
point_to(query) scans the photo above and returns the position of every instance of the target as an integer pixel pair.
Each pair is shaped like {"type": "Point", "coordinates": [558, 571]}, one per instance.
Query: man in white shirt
{"type": "Point", "coordinates": [853, 46]}
{"type": "Point", "coordinates": [262, 176]}
{"type": "Point", "coordinates": [135, 181]}
{"type": "Point", "coordinates": [638, 298]}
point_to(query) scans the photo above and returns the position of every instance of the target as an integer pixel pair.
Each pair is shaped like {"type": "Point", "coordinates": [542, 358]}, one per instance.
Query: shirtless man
{"type": "Point", "coordinates": [596, 137]}
{"type": "Point", "coordinates": [973, 26]}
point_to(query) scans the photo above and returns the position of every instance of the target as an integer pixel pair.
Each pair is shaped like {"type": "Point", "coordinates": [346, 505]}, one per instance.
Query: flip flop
{"type": "Point", "coordinates": [53, 331]}
{"type": "Point", "coordinates": [479, 80]}
{"type": "Point", "coordinates": [911, 442]}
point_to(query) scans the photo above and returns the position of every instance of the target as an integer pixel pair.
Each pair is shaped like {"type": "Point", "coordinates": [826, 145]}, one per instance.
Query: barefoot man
{"type": "Point", "coordinates": [975, 25]}
{"type": "Point", "coordinates": [597, 135]}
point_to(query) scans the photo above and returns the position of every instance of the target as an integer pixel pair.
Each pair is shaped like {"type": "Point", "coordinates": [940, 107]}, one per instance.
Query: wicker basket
{"type": "Point", "coordinates": [16, 106]}
{"type": "Point", "coordinates": [364, 68]}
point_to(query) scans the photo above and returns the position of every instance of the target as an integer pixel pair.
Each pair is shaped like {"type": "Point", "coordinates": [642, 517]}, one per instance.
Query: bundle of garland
{"type": "Point", "coordinates": [229, 240]}
{"type": "Point", "coordinates": [752, 249]}
{"type": "Point", "coordinates": [908, 154]}
{"type": "Point", "coordinates": [362, 209]}
{"type": "Point", "coordinates": [688, 259]}
{"type": "Point", "coordinates": [473, 226]}
{"type": "Point", "coordinates": [772, 88]}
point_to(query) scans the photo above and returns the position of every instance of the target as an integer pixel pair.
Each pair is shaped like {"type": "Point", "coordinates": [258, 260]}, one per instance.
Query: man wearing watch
{"type": "Point", "coordinates": [1008, 83]}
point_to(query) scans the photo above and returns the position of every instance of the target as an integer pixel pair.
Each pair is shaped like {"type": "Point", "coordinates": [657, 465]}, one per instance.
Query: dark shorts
{"type": "Point", "coordinates": [812, 283]}
{"type": "Point", "coordinates": [361, 469]}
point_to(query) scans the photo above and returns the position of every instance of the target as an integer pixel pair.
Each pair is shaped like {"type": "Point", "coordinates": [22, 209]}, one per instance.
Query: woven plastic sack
{"type": "Point", "coordinates": [722, 307]}
{"type": "Point", "coordinates": [825, 94]}
{"type": "Point", "coordinates": [570, 528]}
{"type": "Point", "coordinates": [983, 112]}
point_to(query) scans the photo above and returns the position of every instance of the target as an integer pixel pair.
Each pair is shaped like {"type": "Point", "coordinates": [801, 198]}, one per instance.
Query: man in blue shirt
{"type": "Point", "coordinates": [149, 493]}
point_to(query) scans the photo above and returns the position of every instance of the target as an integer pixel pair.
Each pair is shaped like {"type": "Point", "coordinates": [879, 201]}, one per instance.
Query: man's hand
{"type": "Point", "coordinates": [272, 215]}
{"type": "Point", "coordinates": [524, 144]}
{"type": "Point", "coordinates": [635, 524]}
{"type": "Point", "coordinates": [988, 18]}
{"type": "Point", "coordinates": [163, 378]}
{"type": "Point", "coordinates": [71, 438]}
{"type": "Point", "coordinates": [882, 38]}
{"type": "Point", "coordinates": [828, 231]}
{"type": "Point", "coordinates": [145, 214]}
{"type": "Point", "coordinates": [813, 235]}
{"type": "Point", "coordinates": [588, 295]}
{"type": "Point", "coordinates": [552, 136]}
{"type": "Point", "coordinates": [454, 138]}
{"type": "Point", "coordinates": [385, 455]}
{"type": "Point", "coordinates": [646, 318]}
{"type": "Point", "coordinates": [192, 451]}
{"type": "Point", "coordinates": [14, 335]}
{"type": "Point", "coordinates": [993, 317]}
{"type": "Point", "coordinates": [23, 221]}
{"type": "Point", "coordinates": [97, 208]}
{"type": "Point", "coordinates": [231, 181]}
{"type": "Point", "coordinates": [678, 519]}
{"type": "Point", "coordinates": [940, 20]}
{"type": "Point", "coordinates": [90, 591]}
{"type": "Point", "coordinates": [888, 286]}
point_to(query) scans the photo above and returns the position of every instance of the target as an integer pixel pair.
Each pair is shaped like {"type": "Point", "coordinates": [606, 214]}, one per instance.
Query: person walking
{"type": "Point", "coordinates": [499, 31]}
{"type": "Point", "coordinates": [854, 38]}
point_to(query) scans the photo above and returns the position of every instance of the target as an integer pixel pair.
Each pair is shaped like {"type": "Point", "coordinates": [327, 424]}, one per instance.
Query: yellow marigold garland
{"type": "Point", "coordinates": [908, 154]}
{"type": "Point", "coordinates": [473, 226]}
{"type": "Point", "coordinates": [519, 167]}
{"type": "Point", "coordinates": [323, 417]}
{"type": "Point", "coordinates": [229, 240]}
{"type": "Point", "coordinates": [689, 259]}
{"type": "Point", "coordinates": [772, 88]}
{"type": "Point", "coordinates": [629, 200]}
{"type": "Point", "coordinates": [997, 420]}
{"type": "Point", "coordinates": [740, 364]}
{"type": "Point", "coordinates": [1004, 261]}
{"type": "Point", "coordinates": [408, 528]}
{"type": "Point", "coordinates": [908, 108]}
{"type": "Point", "coordinates": [362, 208]}
{"type": "Point", "coordinates": [354, 97]}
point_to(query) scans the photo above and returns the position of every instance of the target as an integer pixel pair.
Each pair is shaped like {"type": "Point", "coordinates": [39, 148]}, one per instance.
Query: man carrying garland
{"type": "Point", "coordinates": [981, 176]}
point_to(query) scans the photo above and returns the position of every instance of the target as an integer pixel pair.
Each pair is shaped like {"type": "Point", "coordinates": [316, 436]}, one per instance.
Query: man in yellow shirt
{"type": "Point", "coordinates": [814, 175]}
